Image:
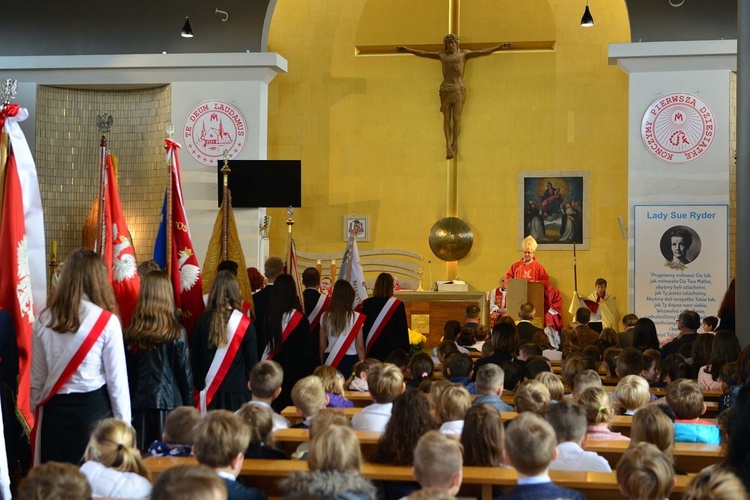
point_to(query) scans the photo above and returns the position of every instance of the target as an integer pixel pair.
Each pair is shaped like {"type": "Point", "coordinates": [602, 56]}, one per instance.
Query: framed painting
{"type": "Point", "coordinates": [554, 209]}
{"type": "Point", "coordinates": [360, 224]}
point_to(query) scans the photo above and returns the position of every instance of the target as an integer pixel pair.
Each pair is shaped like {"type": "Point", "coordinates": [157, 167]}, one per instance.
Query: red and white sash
{"type": "Point", "coordinates": [64, 368]}
{"type": "Point", "coordinates": [320, 307]}
{"type": "Point", "coordinates": [343, 341]}
{"type": "Point", "coordinates": [236, 328]}
{"type": "Point", "coordinates": [382, 319]}
{"type": "Point", "coordinates": [289, 322]}
{"type": "Point", "coordinates": [246, 308]}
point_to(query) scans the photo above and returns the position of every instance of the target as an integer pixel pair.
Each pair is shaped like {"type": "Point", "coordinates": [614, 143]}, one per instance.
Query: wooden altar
{"type": "Point", "coordinates": [427, 312]}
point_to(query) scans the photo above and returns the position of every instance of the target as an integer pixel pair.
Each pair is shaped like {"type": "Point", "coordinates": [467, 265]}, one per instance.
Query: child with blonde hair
{"type": "Point", "coordinates": [652, 425]}
{"type": "Point", "coordinates": [54, 480]}
{"type": "Point", "coordinates": [260, 422]}
{"type": "Point", "coordinates": [309, 398]}
{"type": "Point", "coordinates": [530, 446]}
{"type": "Point", "coordinates": [645, 472]}
{"type": "Point", "coordinates": [685, 398]}
{"type": "Point", "coordinates": [333, 384]}
{"type": "Point", "coordinates": [451, 409]}
{"type": "Point", "coordinates": [357, 381]}
{"type": "Point", "coordinates": [334, 460]}
{"type": "Point", "coordinates": [189, 482]}
{"type": "Point", "coordinates": [438, 462]}
{"type": "Point", "coordinates": [221, 440]}
{"type": "Point", "coordinates": [113, 466]}
{"type": "Point", "coordinates": [599, 413]}
{"type": "Point", "coordinates": [633, 393]}
{"type": "Point", "coordinates": [532, 396]}
{"type": "Point", "coordinates": [177, 438]}
{"type": "Point", "coordinates": [718, 484]}
{"type": "Point", "coordinates": [386, 382]}
{"type": "Point", "coordinates": [553, 384]}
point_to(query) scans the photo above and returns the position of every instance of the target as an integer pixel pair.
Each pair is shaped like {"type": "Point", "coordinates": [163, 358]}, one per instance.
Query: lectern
{"type": "Point", "coordinates": [520, 291]}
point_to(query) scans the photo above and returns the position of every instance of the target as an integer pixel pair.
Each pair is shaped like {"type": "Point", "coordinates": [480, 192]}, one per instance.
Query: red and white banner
{"type": "Point", "coordinates": [381, 320]}
{"type": "Point", "coordinates": [23, 275]}
{"type": "Point", "coordinates": [289, 322]}
{"type": "Point", "coordinates": [119, 254]}
{"type": "Point", "coordinates": [236, 328]}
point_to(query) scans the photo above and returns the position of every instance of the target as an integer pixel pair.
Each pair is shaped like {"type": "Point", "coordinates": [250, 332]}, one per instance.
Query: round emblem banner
{"type": "Point", "coordinates": [211, 128]}
{"type": "Point", "coordinates": [678, 128]}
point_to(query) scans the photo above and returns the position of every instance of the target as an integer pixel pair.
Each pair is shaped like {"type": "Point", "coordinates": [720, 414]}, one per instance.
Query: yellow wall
{"type": "Point", "coordinates": [369, 132]}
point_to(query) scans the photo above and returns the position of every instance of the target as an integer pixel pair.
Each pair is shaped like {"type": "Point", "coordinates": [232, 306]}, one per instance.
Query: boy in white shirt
{"type": "Point", "coordinates": [386, 383]}
{"type": "Point", "coordinates": [265, 385]}
{"type": "Point", "coordinates": [568, 419]}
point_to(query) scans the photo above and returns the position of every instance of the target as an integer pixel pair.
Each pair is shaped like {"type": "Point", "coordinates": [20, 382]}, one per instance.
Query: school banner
{"type": "Point", "coordinates": [681, 261]}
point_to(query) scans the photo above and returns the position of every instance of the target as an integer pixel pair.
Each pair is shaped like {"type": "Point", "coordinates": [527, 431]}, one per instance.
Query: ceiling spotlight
{"type": "Point", "coordinates": [187, 31]}
{"type": "Point", "coordinates": [587, 20]}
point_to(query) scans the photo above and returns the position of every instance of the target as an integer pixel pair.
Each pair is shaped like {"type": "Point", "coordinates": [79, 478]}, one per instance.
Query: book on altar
{"type": "Point", "coordinates": [453, 286]}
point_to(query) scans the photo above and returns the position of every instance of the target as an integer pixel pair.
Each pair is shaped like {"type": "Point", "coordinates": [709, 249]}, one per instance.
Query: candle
{"type": "Point", "coordinates": [319, 267]}
{"type": "Point", "coordinates": [333, 270]}
{"type": "Point", "coordinates": [53, 257]}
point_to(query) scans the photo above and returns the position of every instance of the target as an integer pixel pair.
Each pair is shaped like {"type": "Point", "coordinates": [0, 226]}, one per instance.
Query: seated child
{"type": "Point", "coordinates": [652, 425]}
{"type": "Point", "coordinates": [532, 396]}
{"type": "Point", "coordinates": [528, 351]}
{"type": "Point", "coordinates": [419, 372]}
{"type": "Point", "coordinates": [386, 382]}
{"type": "Point", "coordinates": [645, 472]}
{"type": "Point", "coordinates": [719, 484]}
{"type": "Point", "coordinates": [536, 365]}
{"type": "Point", "coordinates": [358, 379]}
{"type": "Point", "coordinates": [458, 370]}
{"type": "Point", "coordinates": [466, 340]}
{"type": "Point", "coordinates": [320, 422]}
{"type": "Point", "coordinates": [483, 437]}
{"type": "Point", "coordinates": [54, 480]}
{"type": "Point", "coordinates": [443, 350]}
{"type": "Point", "coordinates": [584, 380]}
{"type": "Point", "coordinates": [333, 384]}
{"type": "Point", "coordinates": [399, 357]}
{"type": "Point", "coordinates": [220, 443]}
{"type": "Point", "coordinates": [489, 384]}
{"type": "Point", "coordinates": [530, 446]}
{"type": "Point", "coordinates": [629, 362]}
{"type": "Point", "coordinates": [177, 439]}
{"type": "Point", "coordinates": [265, 386]}
{"type": "Point", "coordinates": [189, 482]}
{"type": "Point", "coordinates": [513, 376]}
{"type": "Point", "coordinates": [487, 349]}
{"type": "Point", "coordinates": [610, 360]}
{"type": "Point", "coordinates": [438, 463]}
{"type": "Point", "coordinates": [451, 409]}
{"type": "Point", "coordinates": [710, 323]}
{"type": "Point", "coordinates": [729, 378]}
{"type": "Point", "coordinates": [334, 460]}
{"type": "Point", "coordinates": [685, 398]}
{"type": "Point", "coordinates": [651, 365]}
{"type": "Point", "coordinates": [480, 337]}
{"type": "Point", "coordinates": [309, 398]}
{"type": "Point", "coordinates": [259, 419]}
{"type": "Point", "coordinates": [569, 422]}
{"type": "Point", "coordinates": [553, 384]}
{"type": "Point", "coordinates": [632, 392]}
{"type": "Point", "coordinates": [113, 466]}
{"type": "Point", "coordinates": [598, 407]}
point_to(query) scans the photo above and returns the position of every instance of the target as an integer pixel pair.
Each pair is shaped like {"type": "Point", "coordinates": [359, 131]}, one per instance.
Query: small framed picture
{"type": "Point", "coordinates": [359, 225]}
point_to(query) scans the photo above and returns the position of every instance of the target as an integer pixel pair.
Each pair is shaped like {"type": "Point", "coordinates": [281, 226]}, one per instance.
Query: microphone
{"type": "Point", "coordinates": [429, 263]}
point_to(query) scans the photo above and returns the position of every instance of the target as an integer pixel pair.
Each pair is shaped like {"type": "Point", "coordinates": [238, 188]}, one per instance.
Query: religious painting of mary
{"type": "Point", "coordinates": [555, 209]}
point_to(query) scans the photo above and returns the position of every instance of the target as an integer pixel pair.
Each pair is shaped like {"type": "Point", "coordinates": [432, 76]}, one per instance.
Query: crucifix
{"type": "Point", "coordinates": [452, 92]}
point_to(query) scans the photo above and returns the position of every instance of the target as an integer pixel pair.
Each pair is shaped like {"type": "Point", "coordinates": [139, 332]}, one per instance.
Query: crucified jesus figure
{"type": "Point", "coordinates": [452, 90]}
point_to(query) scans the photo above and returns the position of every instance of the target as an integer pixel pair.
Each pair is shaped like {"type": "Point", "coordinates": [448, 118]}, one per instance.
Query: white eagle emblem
{"type": "Point", "coordinates": [23, 285]}
{"type": "Point", "coordinates": [189, 273]}
{"type": "Point", "coordinates": [124, 266]}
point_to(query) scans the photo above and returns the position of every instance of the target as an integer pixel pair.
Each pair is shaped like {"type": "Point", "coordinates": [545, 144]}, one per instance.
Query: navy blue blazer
{"type": "Point", "coordinates": [237, 491]}
{"type": "Point", "coordinates": [543, 491]}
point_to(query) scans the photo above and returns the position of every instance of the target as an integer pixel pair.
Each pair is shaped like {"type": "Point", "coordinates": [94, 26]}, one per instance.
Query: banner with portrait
{"type": "Point", "coordinates": [681, 261]}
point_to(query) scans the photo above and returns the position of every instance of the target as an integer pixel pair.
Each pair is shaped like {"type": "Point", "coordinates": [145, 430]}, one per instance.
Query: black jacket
{"type": "Point", "coordinates": [161, 379]}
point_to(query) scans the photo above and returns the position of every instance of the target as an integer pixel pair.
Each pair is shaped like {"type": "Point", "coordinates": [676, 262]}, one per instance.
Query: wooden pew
{"type": "Point", "coordinates": [477, 481]}
{"type": "Point", "coordinates": [362, 399]}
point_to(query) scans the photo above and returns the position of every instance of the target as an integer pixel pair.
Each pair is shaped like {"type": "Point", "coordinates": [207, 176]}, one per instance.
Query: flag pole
{"type": "Point", "coordinates": [225, 205]}
{"type": "Point", "coordinates": [289, 226]}
{"type": "Point", "coordinates": [104, 124]}
{"type": "Point", "coordinates": [168, 197]}
{"type": "Point", "coordinates": [575, 270]}
{"type": "Point", "coordinates": [8, 91]}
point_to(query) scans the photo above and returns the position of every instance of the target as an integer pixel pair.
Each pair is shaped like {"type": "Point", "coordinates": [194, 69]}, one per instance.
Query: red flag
{"type": "Point", "coordinates": [185, 271]}
{"type": "Point", "coordinates": [118, 249]}
{"type": "Point", "coordinates": [23, 273]}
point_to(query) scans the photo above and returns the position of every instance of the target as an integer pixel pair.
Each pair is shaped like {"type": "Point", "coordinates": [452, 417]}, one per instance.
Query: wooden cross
{"type": "Point", "coordinates": [454, 18]}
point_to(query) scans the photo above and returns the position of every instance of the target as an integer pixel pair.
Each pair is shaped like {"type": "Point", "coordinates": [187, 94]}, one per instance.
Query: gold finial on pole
{"type": "Point", "coordinates": [226, 205]}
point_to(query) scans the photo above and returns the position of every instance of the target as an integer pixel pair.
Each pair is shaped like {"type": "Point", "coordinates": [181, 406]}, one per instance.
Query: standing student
{"type": "Point", "coordinates": [224, 348]}
{"type": "Point", "coordinates": [159, 372]}
{"type": "Point", "coordinates": [78, 370]}
{"type": "Point", "coordinates": [342, 340]}
{"type": "Point", "coordinates": [385, 328]}
{"type": "Point", "coordinates": [287, 338]}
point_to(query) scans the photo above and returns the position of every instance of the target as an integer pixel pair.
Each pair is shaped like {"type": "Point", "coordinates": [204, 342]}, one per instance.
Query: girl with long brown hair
{"type": "Point", "coordinates": [159, 372]}
{"type": "Point", "coordinates": [78, 371]}
{"type": "Point", "coordinates": [225, 348]}
{"type": "Point", "coordinates": [342, 340]}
